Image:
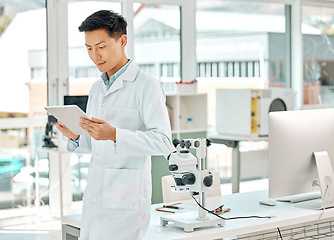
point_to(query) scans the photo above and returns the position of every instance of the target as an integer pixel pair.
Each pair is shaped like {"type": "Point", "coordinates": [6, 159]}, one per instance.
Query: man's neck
{"type": "Point", "coordinates": [118, 67]}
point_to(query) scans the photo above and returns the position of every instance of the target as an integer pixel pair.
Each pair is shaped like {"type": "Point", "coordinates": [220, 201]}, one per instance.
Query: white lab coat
{"type": "Point", "coordinates": [117, 198]}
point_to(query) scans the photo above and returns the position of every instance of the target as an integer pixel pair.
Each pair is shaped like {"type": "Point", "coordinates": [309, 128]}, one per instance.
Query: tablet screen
{"type": "Point", "coordinates": [69, 115]}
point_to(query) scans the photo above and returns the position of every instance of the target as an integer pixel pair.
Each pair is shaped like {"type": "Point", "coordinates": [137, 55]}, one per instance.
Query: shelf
{"type": "Point", "coordinates": [188, 112]}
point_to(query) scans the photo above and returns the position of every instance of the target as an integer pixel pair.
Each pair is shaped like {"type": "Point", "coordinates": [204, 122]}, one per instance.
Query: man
{"type": "Point", "coordinates": [129, 124]}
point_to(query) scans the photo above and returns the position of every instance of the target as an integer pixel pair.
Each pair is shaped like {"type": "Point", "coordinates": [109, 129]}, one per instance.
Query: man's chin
{"type": "Point", "coordinates": [101, 69]}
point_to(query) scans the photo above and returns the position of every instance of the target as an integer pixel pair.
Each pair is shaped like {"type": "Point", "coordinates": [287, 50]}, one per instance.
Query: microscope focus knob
{"type": "Point", "coordinates": [208, 181]}
{"type": "Point", "coordinates": [188, 179]}
{"type": "Point", "coordinates": [176, 142]}
{"type": "Point", "coordinates": [188, 144]}
{"type": "Point", "coordinates": [197, 144]}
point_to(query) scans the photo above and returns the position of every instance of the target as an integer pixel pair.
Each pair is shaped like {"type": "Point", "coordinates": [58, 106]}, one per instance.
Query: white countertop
{"type": "Point", "coordinates": [241, 204]}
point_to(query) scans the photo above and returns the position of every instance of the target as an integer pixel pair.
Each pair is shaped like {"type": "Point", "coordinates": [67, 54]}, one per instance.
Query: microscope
{"type": "Point", "coordinates": [189, 175]}
{"type": "Point", "coordinates": [49, 133]}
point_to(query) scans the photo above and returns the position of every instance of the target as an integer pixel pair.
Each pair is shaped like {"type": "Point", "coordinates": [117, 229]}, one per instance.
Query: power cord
{"type": "Point", "coordinates": [231, 218]}
{"type": "Point", "coordinates": [316, 222]}
{"type": "Point", "coordinates": [280, 235]}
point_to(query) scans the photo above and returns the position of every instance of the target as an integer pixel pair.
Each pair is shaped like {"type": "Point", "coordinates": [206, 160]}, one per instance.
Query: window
{"type": "Point", "coordinates": [237, 44]}
{"type": "Point", "coordinates": [318, 54]}
{"type": "Point", "coordinates": [38, 73]}
{"type": "Point", "coordinates": [148, 68]}
{"type": "Point", "coordinates": [169, 70]}
{"type": "Point", "coordinates": [157, 40]}
{"type": "Point", "coordinates": [23, 90]}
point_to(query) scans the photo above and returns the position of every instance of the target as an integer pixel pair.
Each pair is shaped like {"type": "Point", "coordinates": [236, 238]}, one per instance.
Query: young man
{"type": "Point", "coordinates": [129, 124]}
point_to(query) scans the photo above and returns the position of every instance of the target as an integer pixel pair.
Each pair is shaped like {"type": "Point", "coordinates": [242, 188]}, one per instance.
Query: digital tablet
{"type": "Point", "coordinates": [69, 115]}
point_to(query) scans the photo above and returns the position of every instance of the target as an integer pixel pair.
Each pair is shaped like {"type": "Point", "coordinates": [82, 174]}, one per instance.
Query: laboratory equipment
{"type": "Point", "coordinates": [79, 100]}
{"type": "Point", "coordinates": [189, 175]}
{"type": "Point", "coordinates": [301, 156]}
{"type": "Point", "coordinates": [244, 112]}
{"type": "Point", "coordinates": [50, 133]}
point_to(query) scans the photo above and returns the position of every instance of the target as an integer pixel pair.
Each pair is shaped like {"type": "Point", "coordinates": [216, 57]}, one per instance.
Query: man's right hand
{"type": "Point", "coordinates": [66, 132]}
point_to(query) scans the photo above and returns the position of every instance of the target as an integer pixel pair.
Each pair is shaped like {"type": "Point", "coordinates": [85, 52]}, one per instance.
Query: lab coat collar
{"type": "Point", "coordinates": [129, 75]}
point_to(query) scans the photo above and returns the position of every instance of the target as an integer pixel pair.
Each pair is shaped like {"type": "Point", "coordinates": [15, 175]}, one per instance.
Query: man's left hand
{"type": "Point", "coordinates": [98, 129]}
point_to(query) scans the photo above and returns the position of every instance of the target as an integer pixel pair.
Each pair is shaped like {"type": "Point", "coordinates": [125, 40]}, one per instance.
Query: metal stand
{"type": "Point", "coordinates": [326, 178]}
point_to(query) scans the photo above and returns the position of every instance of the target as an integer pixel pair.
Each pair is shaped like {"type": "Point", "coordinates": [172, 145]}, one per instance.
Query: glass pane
{"type": "Point", "coordinates": [23, 93]}
{"type": "Point", "coordinates": [157, 42]}
{"type": "Point", "coordinates": [318, 40]}
{"type": "Point", "coordinates": [82, 74]}
{"type": "Point", "coordinates": [239, 45]}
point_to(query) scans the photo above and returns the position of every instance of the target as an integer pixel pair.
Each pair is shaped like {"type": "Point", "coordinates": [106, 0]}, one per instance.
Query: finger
{"type": "Point", "coordinates": [91, 133]}
{"type": "Point", "coordinates": [96, 120]}
{"type": "Point", "coordinates": [83, 125]}
{"type": "Point", "coordinates": [88, 126]}
{"type": "Point", "coordinates": [59, 126]}
{"type": "Point", "coordinates": [85, 120]}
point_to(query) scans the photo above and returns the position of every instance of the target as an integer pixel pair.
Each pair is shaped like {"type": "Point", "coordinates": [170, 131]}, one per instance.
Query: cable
{"type": "Point", "coordinates": [232, 218]}
{"type": "Point", "coordinates": [319, 218]}
{"type": "Point", "coordinates": [280, 235]}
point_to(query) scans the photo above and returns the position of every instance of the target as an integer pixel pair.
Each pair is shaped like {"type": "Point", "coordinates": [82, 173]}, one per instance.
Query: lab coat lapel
{"type": "Point", "coordinates": [129, 75]}
{"type": "Point", "coordinates": [116, 85]}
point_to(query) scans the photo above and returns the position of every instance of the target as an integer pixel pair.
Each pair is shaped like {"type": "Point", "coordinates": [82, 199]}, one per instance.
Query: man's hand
{"type": "Point", "coordinates": [66, 132]}
{"type": "Point", "coordinates": [98, 129]}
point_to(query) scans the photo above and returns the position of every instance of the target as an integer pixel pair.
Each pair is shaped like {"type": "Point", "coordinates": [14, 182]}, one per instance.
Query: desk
{"type": "Point", "coordinates": [60, 187]}
{"type": "Point", "coordinates": [287, 217]}
{"type": "Point", "coordinates": [233, 142]}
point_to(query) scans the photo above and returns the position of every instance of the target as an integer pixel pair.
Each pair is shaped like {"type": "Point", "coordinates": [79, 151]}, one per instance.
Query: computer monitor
{"type": "Point", "coordinates": [301, 154]}
{"type": "Point", "coordinates": [79, 100]}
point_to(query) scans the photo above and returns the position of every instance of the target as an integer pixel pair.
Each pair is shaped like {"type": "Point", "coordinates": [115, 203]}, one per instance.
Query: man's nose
{"type": "Point", "coordinates": [96, 55]}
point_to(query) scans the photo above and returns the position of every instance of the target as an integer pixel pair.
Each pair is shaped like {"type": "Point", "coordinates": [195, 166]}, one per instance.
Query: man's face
{"type": "Point", "coordinates": [105, 51]}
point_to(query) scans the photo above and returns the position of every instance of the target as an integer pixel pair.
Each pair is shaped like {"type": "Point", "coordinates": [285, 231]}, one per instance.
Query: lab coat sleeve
{"type": "Point", "coordinates": [72, 144]}
{"type": "Point", "coordinates": [83, 147]}
{"type": "Point", "coordinates": [156, 139]}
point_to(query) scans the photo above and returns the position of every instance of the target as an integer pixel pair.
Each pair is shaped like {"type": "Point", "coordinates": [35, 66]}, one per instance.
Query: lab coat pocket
{"type": "Point", "coordinates": [121, 188]}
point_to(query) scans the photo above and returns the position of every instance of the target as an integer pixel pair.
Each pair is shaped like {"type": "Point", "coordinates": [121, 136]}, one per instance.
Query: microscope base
{"type": "Point", "coordinates": [188, 221]}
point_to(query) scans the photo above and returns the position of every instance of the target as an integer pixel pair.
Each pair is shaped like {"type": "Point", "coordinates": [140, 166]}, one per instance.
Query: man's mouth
{"type": "Point", "coordinates": [100, 64]}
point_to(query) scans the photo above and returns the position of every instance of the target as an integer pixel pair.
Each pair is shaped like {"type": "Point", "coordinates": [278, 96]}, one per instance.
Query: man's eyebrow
{"type": "Point", "coordinates": [95, 44]}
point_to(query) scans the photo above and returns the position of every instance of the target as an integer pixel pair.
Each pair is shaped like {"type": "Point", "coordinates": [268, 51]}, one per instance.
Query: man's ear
{"type": "Point", "coordinates": [124, 40]}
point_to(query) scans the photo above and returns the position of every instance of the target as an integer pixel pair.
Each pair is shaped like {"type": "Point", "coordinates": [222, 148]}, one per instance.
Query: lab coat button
{"type": "Point", "coordinates": [93, 200]}
{"type": "Point", "coordinates": [104, 104]}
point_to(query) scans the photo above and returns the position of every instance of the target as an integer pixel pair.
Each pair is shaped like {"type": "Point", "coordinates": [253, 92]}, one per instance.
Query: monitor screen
{"type": "Point", "coordinates": [293, 137]}
{"type": "Point", "coordinates": [80, 101]}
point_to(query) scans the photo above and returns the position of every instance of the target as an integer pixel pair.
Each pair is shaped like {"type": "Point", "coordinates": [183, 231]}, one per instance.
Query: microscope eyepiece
{"type": "Point", "coordinates": [173, 167]}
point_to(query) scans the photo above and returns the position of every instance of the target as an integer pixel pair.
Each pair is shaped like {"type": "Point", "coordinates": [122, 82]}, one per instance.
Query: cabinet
{"type": "Point", "coordinates": [188, 112]}
{"type": "Point", "coordinates": [182, 108]}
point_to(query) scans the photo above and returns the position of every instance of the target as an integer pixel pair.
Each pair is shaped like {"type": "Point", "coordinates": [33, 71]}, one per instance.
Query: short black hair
{"type": "Point", "coordinates": [113, 22]}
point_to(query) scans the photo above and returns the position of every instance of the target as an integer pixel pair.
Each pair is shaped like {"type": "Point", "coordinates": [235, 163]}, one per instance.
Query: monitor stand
{"type": "Point", "coordinates": [326, 178]}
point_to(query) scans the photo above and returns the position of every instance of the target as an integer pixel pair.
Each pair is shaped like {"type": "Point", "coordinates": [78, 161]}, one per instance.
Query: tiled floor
{"type": "Point", "coordinates": [48, 228]}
